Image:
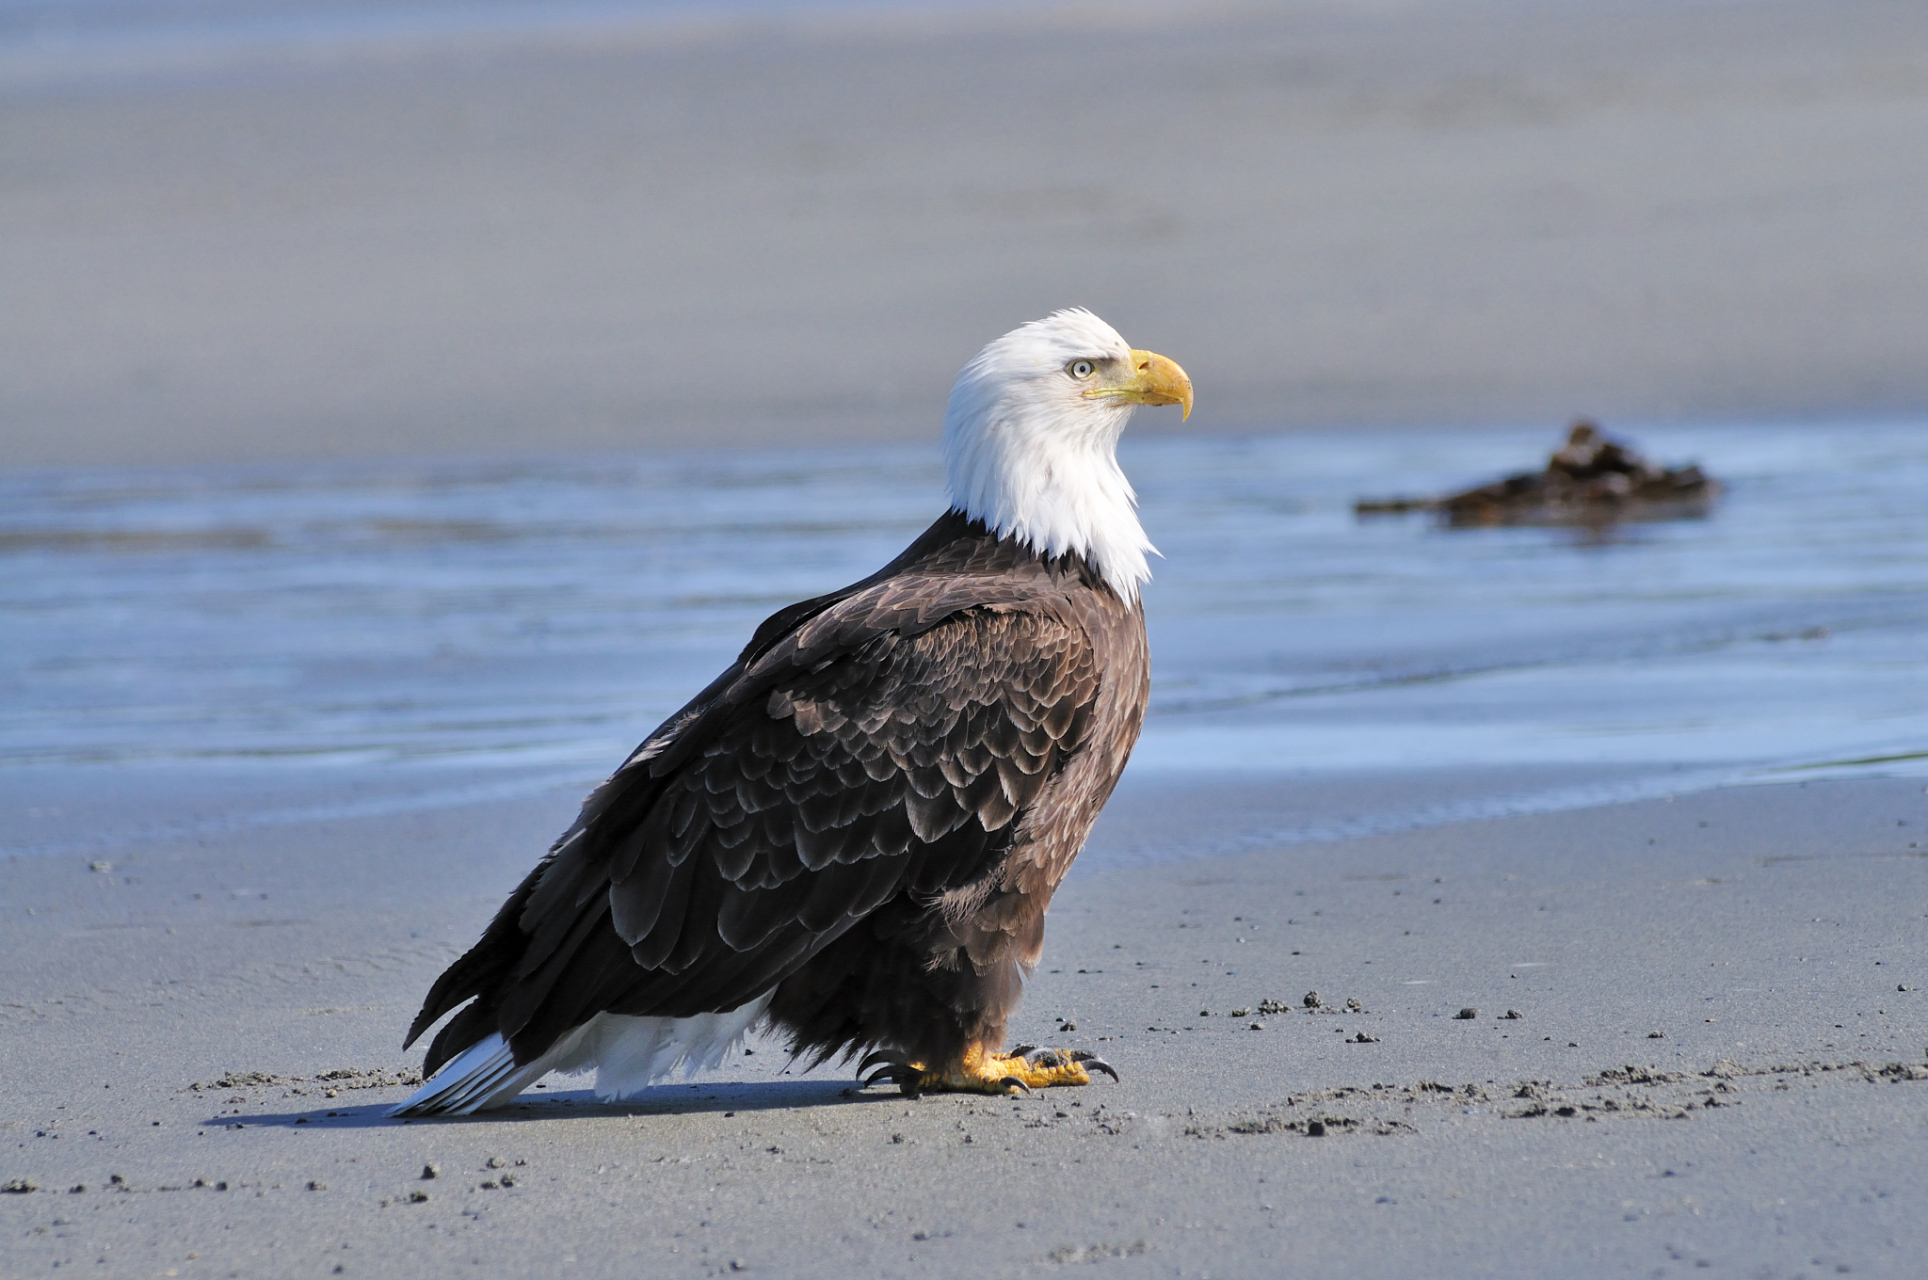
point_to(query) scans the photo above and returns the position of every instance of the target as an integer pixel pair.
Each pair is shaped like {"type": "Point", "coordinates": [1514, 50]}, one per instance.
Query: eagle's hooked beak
{"type": "Point", "coordinates": [1153, 380]}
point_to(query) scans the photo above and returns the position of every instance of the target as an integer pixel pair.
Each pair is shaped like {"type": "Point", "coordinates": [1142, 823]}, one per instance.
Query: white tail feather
{"type": "Point", "coordinates": [484, 1075]}
{"type": "Point", "coordinates": [627, 1054]}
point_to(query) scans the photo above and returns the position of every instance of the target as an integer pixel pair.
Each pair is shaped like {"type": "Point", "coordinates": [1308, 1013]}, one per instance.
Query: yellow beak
{"type": "Point", "coordinates": [1154, 380]}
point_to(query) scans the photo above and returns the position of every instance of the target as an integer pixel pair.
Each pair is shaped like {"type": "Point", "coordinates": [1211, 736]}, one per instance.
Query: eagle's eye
{"type": "Point", "coordinates": [1081, 369]}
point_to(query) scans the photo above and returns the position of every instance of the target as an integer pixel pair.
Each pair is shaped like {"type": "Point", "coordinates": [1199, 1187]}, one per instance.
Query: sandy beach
{"type": "Point", "coordinates": [286, 737]}
{"type": "Point", "coordinates": [1717, 1064]}
{"type": "Point", "coordinates": [794, 230]}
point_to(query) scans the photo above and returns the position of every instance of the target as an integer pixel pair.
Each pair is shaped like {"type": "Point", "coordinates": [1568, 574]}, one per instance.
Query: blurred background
{"type": "Point", "coordinates": [402, 402]}
{"type": "Point", "coordinates": [250, 229]}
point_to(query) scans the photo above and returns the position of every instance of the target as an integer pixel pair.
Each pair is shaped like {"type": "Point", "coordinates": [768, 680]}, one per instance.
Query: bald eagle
{"type": "Point", "coordinates": [850, 837]}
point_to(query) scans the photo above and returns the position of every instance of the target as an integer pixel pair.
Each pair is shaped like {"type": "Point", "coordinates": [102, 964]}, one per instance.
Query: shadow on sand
{"type": "Point", "coordinates": [575, 1104]}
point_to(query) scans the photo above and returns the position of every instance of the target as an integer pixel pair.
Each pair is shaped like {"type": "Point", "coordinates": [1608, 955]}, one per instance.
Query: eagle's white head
{"type": "Point", "coordinates": [1031, 437]}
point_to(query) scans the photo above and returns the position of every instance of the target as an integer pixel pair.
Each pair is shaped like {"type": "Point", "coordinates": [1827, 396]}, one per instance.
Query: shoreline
{"type": "Point", "coordinates": [1769, 934]}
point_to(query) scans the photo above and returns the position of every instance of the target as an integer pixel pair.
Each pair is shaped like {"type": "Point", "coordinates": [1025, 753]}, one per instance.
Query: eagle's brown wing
{"type": "Point", "coordinates": [878, 742]}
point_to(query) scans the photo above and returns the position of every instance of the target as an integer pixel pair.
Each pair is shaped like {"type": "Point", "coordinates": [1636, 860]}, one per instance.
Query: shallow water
{"type": "Point", "coordinates": [211, 647]}
{"type": "Point", "coordinates": [108, 41]}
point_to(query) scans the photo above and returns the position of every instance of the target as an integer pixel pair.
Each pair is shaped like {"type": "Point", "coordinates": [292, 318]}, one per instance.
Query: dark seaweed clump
{"type": "Point", "coordinates": [1592, 479]}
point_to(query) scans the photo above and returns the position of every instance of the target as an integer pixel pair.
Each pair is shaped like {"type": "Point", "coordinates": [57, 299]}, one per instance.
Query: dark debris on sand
{"type": "Point", "coordinates": [331, 1082]}
{"type": "Point", "coordinates": [1629, 1092]}
{"type": "Point", "coordinates": [1591, 480]}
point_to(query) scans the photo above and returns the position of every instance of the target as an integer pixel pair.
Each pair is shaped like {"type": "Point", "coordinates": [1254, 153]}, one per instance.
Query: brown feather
{"type": "Point", "coordinates": [864, 818]}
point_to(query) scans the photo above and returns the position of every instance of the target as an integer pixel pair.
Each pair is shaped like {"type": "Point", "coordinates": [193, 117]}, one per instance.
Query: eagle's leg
{"type": "Point", "coordinates": [981, 1071]}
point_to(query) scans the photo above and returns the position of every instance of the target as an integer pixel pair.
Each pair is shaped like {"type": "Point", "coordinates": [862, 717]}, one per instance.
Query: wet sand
{"type": "Point", "coordinates": [1717, 1064]}
{"type": "Point", "coordinates": [797, 231]}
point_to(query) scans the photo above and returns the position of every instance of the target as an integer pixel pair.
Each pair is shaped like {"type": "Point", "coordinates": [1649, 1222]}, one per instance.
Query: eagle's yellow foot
{"type": "Point", "coordinates": [1023, 1069]}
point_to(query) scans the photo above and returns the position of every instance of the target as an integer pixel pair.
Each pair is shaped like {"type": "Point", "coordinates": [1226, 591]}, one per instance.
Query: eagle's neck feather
{"type": "Point", "coordinates": [1048, 475]}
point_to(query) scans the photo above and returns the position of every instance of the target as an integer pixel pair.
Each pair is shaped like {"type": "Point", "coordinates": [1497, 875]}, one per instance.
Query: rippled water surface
{"type": "Point", "coordinates": [305, 639]}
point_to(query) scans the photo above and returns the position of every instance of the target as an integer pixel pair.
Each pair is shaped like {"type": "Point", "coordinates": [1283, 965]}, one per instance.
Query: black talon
{"type": "Point", "coordinates": [906, 1077]}
{"type": "Point", "coordinates": [873, 1059]}
{"type": "Point", "coordinates": [888, 1068]}
{"type": "Point", "coordinates": [1012, 1081]}
{"type": "Point", "coordinates": [1092, 1062]}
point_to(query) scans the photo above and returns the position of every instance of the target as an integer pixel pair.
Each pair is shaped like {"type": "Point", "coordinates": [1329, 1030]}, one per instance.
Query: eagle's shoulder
{"type": "Point", "coordinates": [955, 566]}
